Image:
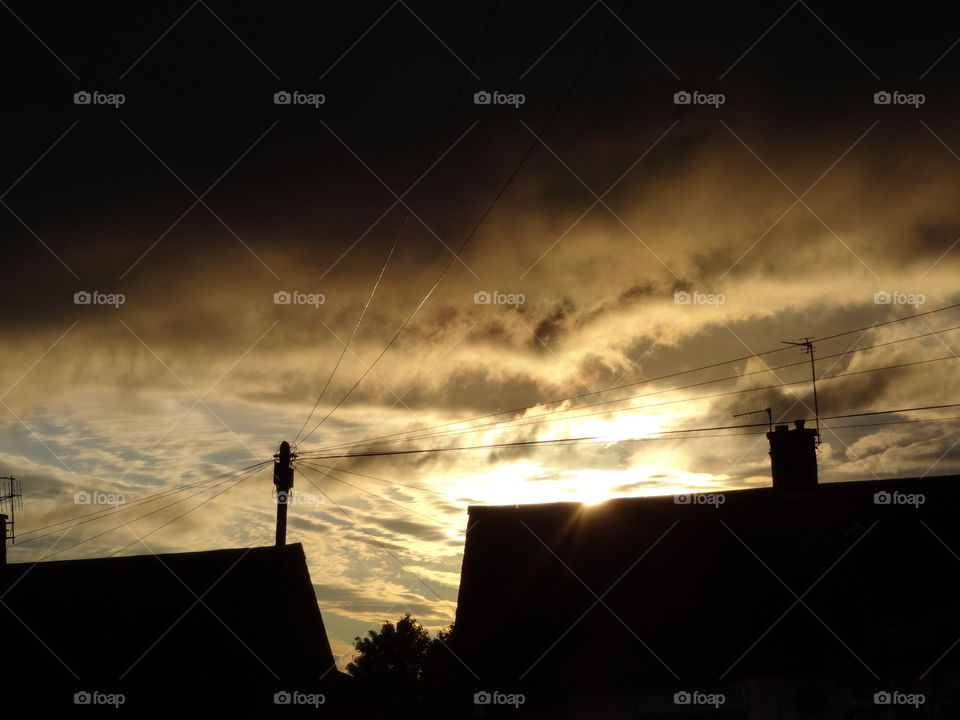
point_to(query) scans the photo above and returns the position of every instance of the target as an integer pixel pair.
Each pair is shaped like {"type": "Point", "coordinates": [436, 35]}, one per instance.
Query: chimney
{"type": "Point", "coordinates": [793, 458]}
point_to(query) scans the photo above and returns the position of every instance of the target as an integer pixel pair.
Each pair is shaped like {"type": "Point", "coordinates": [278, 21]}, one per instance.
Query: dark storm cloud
{"type": "Point", "coordinates": [711, 207]}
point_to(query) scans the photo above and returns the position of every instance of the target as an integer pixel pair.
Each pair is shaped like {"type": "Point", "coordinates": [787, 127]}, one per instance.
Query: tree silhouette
{"type": "Point", "coordinates": [400, 662]}
{"type": "Point", "coordinates": [394, 655]}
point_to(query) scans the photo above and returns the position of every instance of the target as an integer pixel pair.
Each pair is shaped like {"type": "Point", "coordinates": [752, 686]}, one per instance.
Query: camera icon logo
{"type": "Point", "coordinates": [882, 98]}
{"type": "Point", "coordinates": [682, 698]}
{"type": "Point", "coordinates": [82, 698]}
{"type": "Point", "coordinates": [82, 98]}
{"type": "Point", "coordinates": [282, 97]}
{"type": "Point", "coordinates": [682, 297]}
{"type": "Point", "coordinates": [682, 98]}
{"type": "Point", "coordinates": [882, 698]}
{"type": "Point", "coordinates": [481, 297]}
{"type": "Point", "coordinates": [882, 298]}
{"type": "Point", "coordinates": [681, 499]}
{"type": "Point", "coordinates": [482, 97]}
{"type": "Point", "coordinates": [482, 698]}
{"type": "Point", "coordinates": [282, 698]}
{"type": "Point", "coordinates": [882, 498]}
{"type": "Point", "coordinates": [282, 297]}
{"type": "Point", "coordinates": [82, 298]}
{"type": "Point", "coordinates": [81, 498]}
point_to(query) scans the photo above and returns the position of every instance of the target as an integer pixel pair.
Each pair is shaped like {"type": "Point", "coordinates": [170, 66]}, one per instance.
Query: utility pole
{"type": "Point", "coordinates": [283, 480]}
{"type": "Point", "coordinates": [807, 344]}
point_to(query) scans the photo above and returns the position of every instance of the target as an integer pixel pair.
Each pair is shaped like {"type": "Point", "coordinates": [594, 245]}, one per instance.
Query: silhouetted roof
{"type": "Point", "coordinates": [705, 591]}
{"type": "Point", "coordinates": [225, 628]}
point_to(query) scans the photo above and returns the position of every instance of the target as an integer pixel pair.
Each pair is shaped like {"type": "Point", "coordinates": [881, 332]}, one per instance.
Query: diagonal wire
{"type": "Point", "coordinates": [130, 505]}
{"type": "Point", "coordinates": [152, 512]}
{"type": "Point", "coordinates": [402, 506]}
{"type": "Point", "coordinates": [392, 482]}
{"type": "Point", "coordinates": [244, 478]}
{"type": "Point", "coordinates": [563, 415]}
{"type": "Point", "coordinates": [406, 215]}
{"type": "Point", "coordinates": [456, 256]}
{"type": "Point", "coordinates": [678, 373]}
{"type": "Point", "coordinates": [356, 326]}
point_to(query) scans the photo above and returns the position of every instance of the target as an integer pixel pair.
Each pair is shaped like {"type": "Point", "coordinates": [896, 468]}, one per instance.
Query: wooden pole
{"type": "Point", "coordinates": [283, 480]}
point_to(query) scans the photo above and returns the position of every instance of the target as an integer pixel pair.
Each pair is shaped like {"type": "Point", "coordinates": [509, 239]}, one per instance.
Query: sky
{"type": "Point", "coordinates": [649, 190]}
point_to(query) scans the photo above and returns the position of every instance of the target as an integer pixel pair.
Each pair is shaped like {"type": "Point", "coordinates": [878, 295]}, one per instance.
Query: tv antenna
{"type": "Point", "coordinates": [11, 496]}
{"type": "Point", "coordinates": [767, 410]}
{"type": "Point", "coordinates": [807, 345]}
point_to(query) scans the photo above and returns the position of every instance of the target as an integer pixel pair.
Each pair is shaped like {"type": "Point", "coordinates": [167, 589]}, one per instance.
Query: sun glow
{"type": "Point", "coordinates": [528, 481]}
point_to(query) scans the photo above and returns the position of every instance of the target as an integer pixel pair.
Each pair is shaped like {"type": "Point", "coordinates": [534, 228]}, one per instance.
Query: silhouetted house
{"type": "Point", "coordinates": [801, 600]}
{"type": "Point", "coordinates": [222, 630]}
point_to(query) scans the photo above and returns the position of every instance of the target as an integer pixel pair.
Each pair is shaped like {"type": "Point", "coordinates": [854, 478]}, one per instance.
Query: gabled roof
{"type": "Point", "coordinates": [226, 627]}
{"type": "Point", "coordinates": [703, 590]}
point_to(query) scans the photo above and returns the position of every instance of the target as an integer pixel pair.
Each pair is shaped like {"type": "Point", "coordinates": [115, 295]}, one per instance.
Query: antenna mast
{"type": "Point", "coordinates": [807, 345]}
{"type": "Point", "coordinates": [767, 410]}
{"type": "Point", "coordinates": [9, 495]}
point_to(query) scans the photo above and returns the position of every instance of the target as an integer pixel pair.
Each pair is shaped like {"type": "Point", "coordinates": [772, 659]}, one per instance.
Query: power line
{"type": "Point", "coordinates": [601, 440]}
{"type": "Point", "coordinates": [140, 501]}
{"type": "Point", "coordinates": [406, 216]}
{"type": "Point", "coordinates": [483, 216]}
{"type": "Point", "coordinates": [890, 412]}
{"type": "Point", "coordinates": [666, 377]}
{"type": "Point", "coordinates": [536, 420]}
{"type": "Point", "coordinates": [894, 422]}
{"type": "Point", "coordinates": [185, 512]}
{"type": "Point", "coordinates": [152, 512]}
{"type": "Point", "coordinates": [379, 497]}
{"type": "Point", "coordinates": [874, 326]}
{"type": "Point", "coordinates": [518, 423]}
{"type": "Point", "coordinates": [392, 482]}
{"type": "Point", "coordinates": [352, 334]}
